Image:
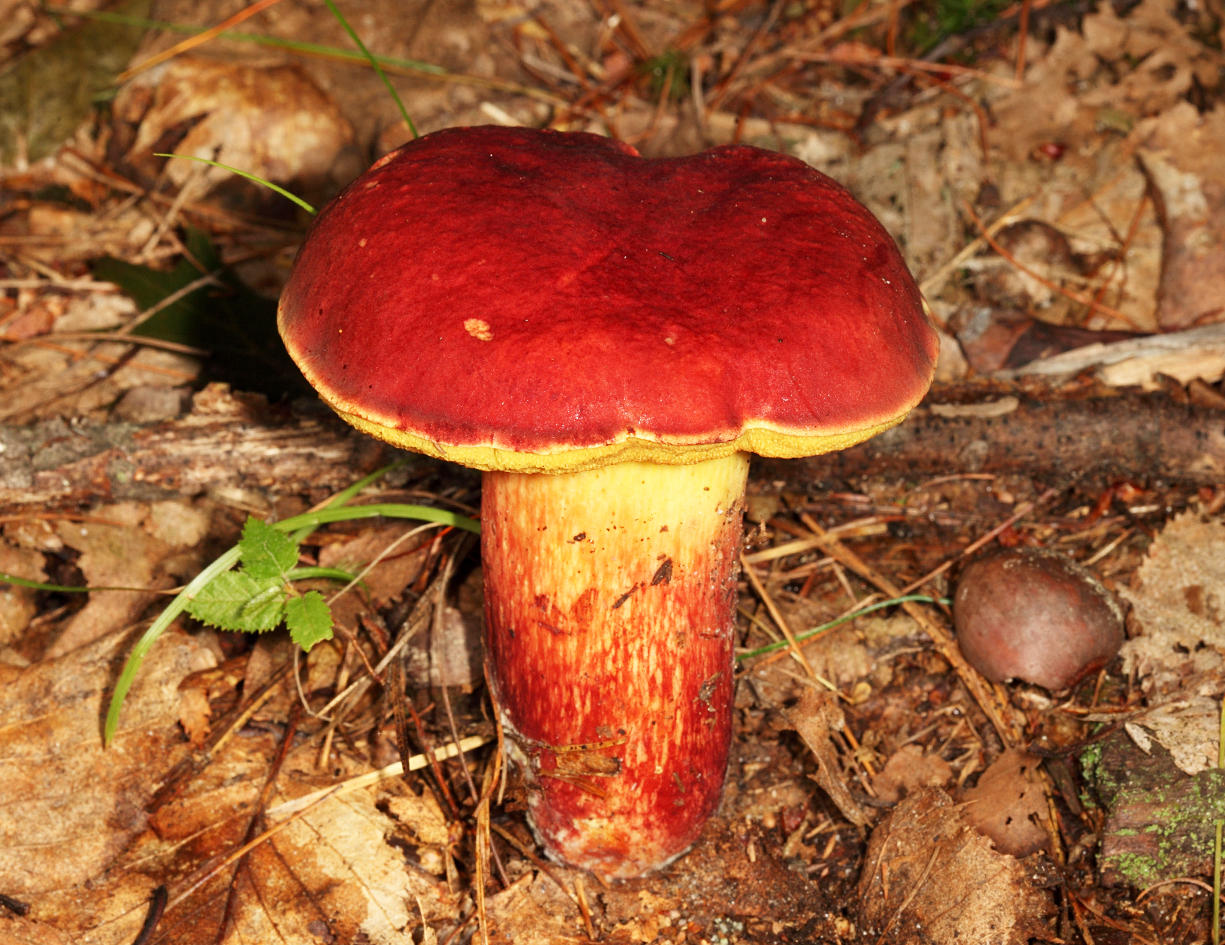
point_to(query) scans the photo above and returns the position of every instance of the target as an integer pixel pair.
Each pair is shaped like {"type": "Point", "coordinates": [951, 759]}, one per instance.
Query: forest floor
{"type": "Point", "coordinates": [1052, 172]}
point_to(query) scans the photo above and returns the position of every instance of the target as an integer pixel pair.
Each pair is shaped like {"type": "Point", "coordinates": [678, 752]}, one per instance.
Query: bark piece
{"type": "Point", "coordinates": [1159, 820]}
{"type": "Point", "coordinates": [228, 443]}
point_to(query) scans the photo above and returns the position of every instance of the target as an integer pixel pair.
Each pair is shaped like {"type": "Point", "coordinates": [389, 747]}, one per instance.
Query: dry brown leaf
{"type": "Point", "coordinates": [334, 868]}
{"type": "Point", "coordinates": [67, 805]}
{"type": "Point", "coordinates": [115, 550]}
{"type": "Point", "coordinates": [533, 911]}
{"type": "Point", "coordinates": [107, 912]}
{"type": "Point", "coordinates": [817, 718]}
{"type": "Point", "coordinates": [931, 879]}
{"type": "Point", "coordinates": [1181, 157]}
{"type": "Point", "coordinates": [18, 604]}
{"type": "Point", "coordinates": [268, 120]}
{"type": "Point", "coordinates": [195, 715]}
{"type": "Point", "coordinates": [1159, 59]}
{"type": "Point", "coordinates": [908, 769]}
{"type": "Point", "coordinates": [1189, 729]}
{"type": "Point", "coordinates": [400, 557]}
{"type": "Point", "coordinates": [1178, 608]}
{"type": "Point", "coordinates": [1103, 87]}
{"type": "Point", "coordinates": [1008, 804]}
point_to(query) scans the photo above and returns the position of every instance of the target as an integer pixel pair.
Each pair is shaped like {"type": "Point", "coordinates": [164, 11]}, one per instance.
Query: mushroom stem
{"type": "Point", "coordinates": [609, 598]}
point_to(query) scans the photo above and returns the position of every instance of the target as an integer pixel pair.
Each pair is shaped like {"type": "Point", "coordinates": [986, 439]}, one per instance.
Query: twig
{"type": "Point", "coordinates": [157, 906]}
{"type": "Point", "coordinates": [197, 40]}
{"type": "Point", "coordinates": [989, 698]}
{"type": "Point", "coordinates": [393, 770]}
{"type": "Point", "coordinates": [1022, 510]}
{"type": "Point", "coordinates": [1090, 303]}
{"type": "Point", "coordinates": [779, 620]}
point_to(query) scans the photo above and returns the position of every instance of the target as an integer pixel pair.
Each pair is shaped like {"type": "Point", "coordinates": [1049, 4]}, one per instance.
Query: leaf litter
{"type": "Point", "coordinates": [1094, 212]}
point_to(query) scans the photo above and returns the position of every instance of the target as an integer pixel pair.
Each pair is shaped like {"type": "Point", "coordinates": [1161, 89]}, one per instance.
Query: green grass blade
{"type": "Point", "coordinates": [260, 39]}
{"type": "Point", "coordinates": [6, 578]}
{"type": "Point", "coordinates": [412, 129]}
{"type": "Point", "coordinates": [275, 188]}
{"type": "Point", "coordinates": [423, 513]}
{"type": "Point", "coordinates": [1216, 847]}
{"type": "Point", "coordinates": [346, 495]}
{"type": "Point", "coordinates": [159, 626]}
{"type": "Point", "coordinates": [825, 627]}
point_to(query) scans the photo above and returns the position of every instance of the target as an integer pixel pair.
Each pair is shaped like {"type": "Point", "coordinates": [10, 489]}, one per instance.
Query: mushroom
{"type": "Point", "coordinates": [607, 337]}
{"type": "Point", "coordinates": [1035, 615]}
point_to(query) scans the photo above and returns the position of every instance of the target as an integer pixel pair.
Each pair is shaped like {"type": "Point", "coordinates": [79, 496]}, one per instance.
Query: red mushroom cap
{"type": "Point", "coordinates": [532, 300]}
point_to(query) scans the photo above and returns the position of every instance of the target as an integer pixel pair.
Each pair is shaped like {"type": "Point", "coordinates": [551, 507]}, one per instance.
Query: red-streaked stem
{"type": "Point", "coordinates": [609, 598]}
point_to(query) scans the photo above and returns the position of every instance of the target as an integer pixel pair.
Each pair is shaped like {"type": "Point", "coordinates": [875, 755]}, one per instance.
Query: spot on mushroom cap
{"type": "Point", "coordinates": [518, 299]}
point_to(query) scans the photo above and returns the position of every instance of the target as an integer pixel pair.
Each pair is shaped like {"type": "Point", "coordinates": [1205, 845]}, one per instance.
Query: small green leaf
{"type": "Point", "coordinates": [203, 601]}
{"type": "Point", "coordinates": [235, 600]}
{"type": "Point", "coordinates": [309, 619]}
{"type": "Point", "coordinates": [264, 610]}
{"type": "Point", "coordinates": [266, 552]}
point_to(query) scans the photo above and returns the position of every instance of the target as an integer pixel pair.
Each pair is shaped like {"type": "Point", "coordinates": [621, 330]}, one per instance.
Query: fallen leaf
{"type": "Point", "coordinates": [52, 89]}
{"type": "Point", "coordinates": [1189, 729]}
{"type": "Point", "coordinates": [1181, 158]}
{"type": "Point", "coordinates": [18, 605]}
{"type": "Point", "coordinates": [113, 551]}
{"type": "Point", "coordinates": [817, 718]}
{"type": "Point", "coordinates": [1008, 804]}
{"type": "Point", "coordinates": [1178, 608]}
{"type": "Point", "coordinates": [930, 878]}
{"type": "Point", "coordinates": [68, 806]}
{"type": "Point", "coordinates": [908, 769]}
{"type": "Point", "coordinates": [269, 120]}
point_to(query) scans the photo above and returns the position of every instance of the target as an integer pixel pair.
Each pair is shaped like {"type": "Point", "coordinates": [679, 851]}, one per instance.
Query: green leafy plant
{"type": "Point", "coordinates": [250, 587]}
{"type": "Point", "coordinates": [260, 594]}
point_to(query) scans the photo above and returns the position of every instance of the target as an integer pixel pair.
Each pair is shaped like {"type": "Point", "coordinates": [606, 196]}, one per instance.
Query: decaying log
{"type": "Point", "coordinates": [228, 444]}
{"type": "Point", "coordinates": [238, 444]}
{"type": "Point", "coordinates": [1159, 820]}
{"type": "Point", "coordinates": [1054, 435]}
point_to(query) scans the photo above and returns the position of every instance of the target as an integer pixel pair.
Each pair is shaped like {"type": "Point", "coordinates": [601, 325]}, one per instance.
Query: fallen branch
{"type": "Point", "coordinates": [237, 445]}
{"type": "Point", "coordinates": [1109, 435]}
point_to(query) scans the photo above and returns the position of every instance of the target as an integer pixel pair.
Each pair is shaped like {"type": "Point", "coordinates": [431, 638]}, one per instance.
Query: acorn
{"type": "Point", "coordinates": [1036, 616]}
